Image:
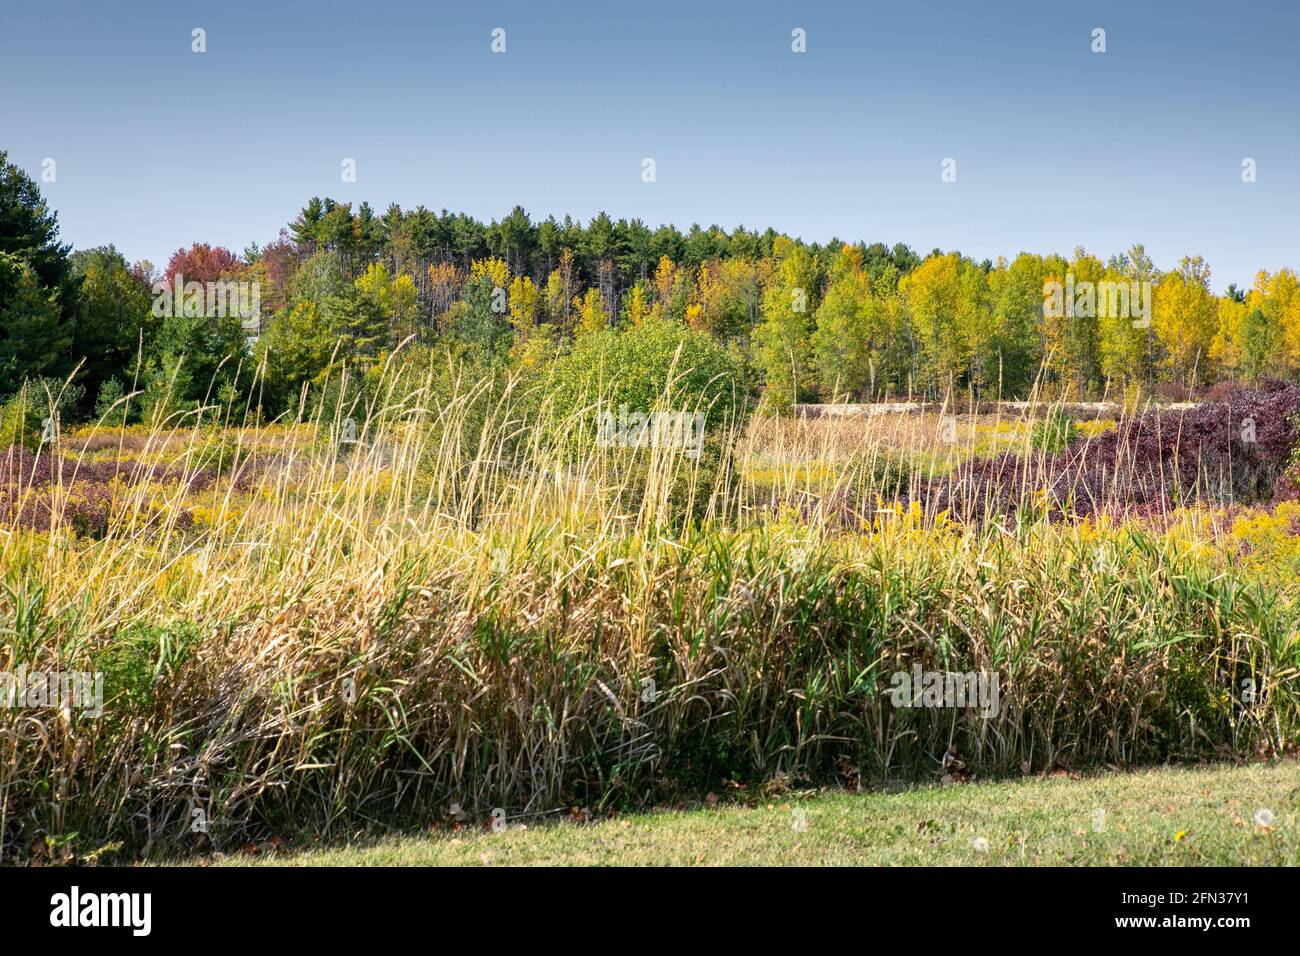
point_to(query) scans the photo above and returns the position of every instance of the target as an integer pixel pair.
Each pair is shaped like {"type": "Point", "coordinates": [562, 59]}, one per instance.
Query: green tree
{"type": "Point", "coordinates": [850, 324]}
{"type": "Point", "coordinates": [111, 407]}
{"type": "Point", "coordinates": [212, 347]}
{"type": "Point", "coordinates": [34, 340]}
{"type": "Point", "coordinates": [168, 385]}
{"type": "Point", "coordinates": [114, 320]}
{"type": "Point", "coordinates": [657, 365]}
{"type": "Point", "coordinates": [783, 340]}
{"type": "Point", "coordinates": [37, 293]}
{"type": "Point", "coordinates": [296, 351]}
{"type": "Point", "coordinates": [29, 230]}
{"type": "Point", "coordinates": [479, 320]}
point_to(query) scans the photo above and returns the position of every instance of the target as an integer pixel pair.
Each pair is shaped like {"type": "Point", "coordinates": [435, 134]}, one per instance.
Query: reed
{"type": "Point", "coordinates": [476, 604]}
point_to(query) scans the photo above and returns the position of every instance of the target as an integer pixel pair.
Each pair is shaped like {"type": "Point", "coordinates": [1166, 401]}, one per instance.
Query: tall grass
{"type": "Point", "coordinates": [463, 607]}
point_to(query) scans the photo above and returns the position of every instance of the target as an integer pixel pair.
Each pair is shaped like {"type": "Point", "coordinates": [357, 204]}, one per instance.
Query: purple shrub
{"type": "Point", "coordinates": [1238, 449]}
{"type": "Point", "coordinates": [1230, 450]}
{"type": "Point", "coordinates": [31, 484]}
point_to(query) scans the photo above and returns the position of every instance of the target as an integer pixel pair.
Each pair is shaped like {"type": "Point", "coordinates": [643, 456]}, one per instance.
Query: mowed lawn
{"type": "Point", "coordinates": [1221, 815]}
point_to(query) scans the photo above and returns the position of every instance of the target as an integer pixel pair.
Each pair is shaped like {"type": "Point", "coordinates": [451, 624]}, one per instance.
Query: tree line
{"type": "Point", "coordinates": [827, 321]}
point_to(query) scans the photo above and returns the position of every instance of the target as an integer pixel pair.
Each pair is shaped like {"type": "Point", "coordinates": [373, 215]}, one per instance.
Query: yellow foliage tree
{"type": "Point", "coordinates": [1185, 319]}
{"type": "Point", "coordinates": [592, 316]}
{"type": "Point", "coordinates": [523, 302]}
{"type": "Point", "coordinates": [495, 269]}
{"type": "Point", "coordinates": [636, 306]}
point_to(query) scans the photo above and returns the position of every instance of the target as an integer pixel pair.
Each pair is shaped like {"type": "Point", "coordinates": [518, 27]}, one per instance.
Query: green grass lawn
{"type": "Point", "coordinates": [1167, 817]}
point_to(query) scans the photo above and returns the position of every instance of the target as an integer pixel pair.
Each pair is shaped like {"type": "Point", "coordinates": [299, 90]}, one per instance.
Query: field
{"type": "Point", "coordinates": [352, 622]}
{"type": "Point", "coordinates": [1168, 817]}
{"type": "Point", "coordinates": [589, 438]}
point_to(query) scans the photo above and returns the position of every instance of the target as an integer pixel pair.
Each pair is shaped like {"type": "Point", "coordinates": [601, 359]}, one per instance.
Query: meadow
{"type": "Point", "coordinates": [632, 462]}
{"type": "Point", "coordinates": [447, 595]}
{"type": "Point", "coordinates": [1204, 816]}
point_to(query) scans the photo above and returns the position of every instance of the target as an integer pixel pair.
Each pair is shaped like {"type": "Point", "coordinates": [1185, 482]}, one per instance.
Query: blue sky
{"type": "Point", "coordinates": [1056, 146]}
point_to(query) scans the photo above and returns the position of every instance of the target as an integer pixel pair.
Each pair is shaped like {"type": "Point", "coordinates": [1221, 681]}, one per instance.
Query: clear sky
{"type": "Point", "coordinates": [1056, 146]}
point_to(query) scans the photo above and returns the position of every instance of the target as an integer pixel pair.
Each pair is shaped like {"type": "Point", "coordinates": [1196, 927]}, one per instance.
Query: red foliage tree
{"type": "Point", "coordinates": [201, 263]}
